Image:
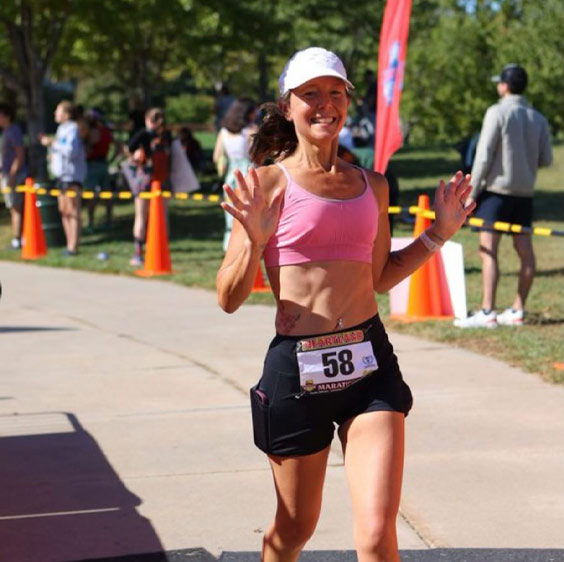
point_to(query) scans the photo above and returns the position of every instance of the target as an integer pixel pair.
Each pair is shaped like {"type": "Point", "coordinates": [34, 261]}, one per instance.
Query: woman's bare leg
{"type": "Point", "coordinates": [299, 486]}
{"type": "Point", "coordinates": [74, 222]}
{"type": "Point", "coordinates": [373, 445]}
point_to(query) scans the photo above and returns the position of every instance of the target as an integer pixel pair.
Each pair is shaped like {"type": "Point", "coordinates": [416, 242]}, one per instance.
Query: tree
{"type": "Point", "coordinates": [456, 46]}
{"type": "Point", "coordinates": [136, 50]}
{"type": "Point", "coordinates": [236, 43]}
{"type": "Point", "coordinates": [449, 61]}
{"type": "Point", "coordinates": [531, 35]}
{"type": "Point", "coordinates": [33, 29]}
{"type": "Point", "coordinates": [133, 43]}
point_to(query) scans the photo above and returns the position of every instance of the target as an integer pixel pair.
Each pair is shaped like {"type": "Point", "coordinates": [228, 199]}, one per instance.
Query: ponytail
{"type": "Point", "coordinates": [276, 137]}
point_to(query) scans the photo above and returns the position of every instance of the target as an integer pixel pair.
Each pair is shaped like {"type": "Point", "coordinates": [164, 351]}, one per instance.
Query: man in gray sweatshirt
{"type": "Point", "coordinates": [514, 143]}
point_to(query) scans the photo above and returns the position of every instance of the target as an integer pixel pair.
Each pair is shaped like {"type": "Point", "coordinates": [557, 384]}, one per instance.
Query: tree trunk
{"type": "Point", "coordinates": [35, 112]}
{"type": "Point", "coordinates": [33, 61]}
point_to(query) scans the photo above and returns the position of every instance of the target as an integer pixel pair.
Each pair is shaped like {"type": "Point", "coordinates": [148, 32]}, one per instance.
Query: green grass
{"type": "Point", "coordinates": [538, 345]}
{"type": "Point", "coordinates": [206, 138]}
{"type": "Point", "coordinates": [196, 231]}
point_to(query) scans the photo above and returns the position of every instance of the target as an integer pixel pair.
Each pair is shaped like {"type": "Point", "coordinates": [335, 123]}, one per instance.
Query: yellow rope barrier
{"type": "Point", "coordinates": [215, 198]}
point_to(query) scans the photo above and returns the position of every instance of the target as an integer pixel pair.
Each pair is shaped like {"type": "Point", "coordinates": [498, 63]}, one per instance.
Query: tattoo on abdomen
{"type": "Point", "coordinates": [285, 323]}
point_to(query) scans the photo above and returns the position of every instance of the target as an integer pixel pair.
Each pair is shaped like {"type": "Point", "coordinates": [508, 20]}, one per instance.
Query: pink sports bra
{"type": "Point", "coordinates": [314, 228]}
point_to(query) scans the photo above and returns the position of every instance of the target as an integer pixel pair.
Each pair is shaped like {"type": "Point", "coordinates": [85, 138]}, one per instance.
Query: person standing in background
{"type": "Point", "coordinates": [222, 103]}
{"type": "Point", "coordinates": [13, 170]}
{"type": "Point", "coordinates": [82, 124]}
{"type": "Point", "coordinates": [513, 144]}
{"type": "Point", "coordinates": [149, 150]}
{"type": "Point", "coordinates": [135, 123]}
{"type": "Point", "coordinates": [100, 139]}
{"type": "Point", "coordinates": [68, 165]}
{"type": "Point", "coordinates": [233, 142]}
{"type": "Point", "coordinates": [192, 148]}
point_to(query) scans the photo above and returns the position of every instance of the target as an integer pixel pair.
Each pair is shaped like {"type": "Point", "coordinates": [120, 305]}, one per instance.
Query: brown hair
{"type": "Point", "coordinates": [239, 115]}
{"type": "Point", "coordinates": [276, 137]}
{"type": "Point", "coordinates": [156, 116]}
{"type": "Point", "coordinates": [69, 108]}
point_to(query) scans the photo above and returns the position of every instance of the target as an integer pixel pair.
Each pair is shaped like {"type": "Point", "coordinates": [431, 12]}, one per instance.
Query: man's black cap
{"type": "Point", "coordinates": [514, 76]}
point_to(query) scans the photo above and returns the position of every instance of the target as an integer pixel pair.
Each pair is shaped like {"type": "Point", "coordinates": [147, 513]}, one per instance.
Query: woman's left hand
{"type": "Point", "coordinates": [250, 206]}
{"type": "Point", "coordinates": [451, 205]}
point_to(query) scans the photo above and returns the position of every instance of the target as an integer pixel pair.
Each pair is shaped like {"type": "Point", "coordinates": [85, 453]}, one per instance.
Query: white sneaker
{"type": "Point", "coordinates": [510, 317]}
{"type": "Point", "coordinates": [478, 320]}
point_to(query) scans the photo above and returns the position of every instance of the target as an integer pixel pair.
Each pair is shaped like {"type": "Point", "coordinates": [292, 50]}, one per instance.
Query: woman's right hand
{"type": "Point", "coordinates": [250, 207]}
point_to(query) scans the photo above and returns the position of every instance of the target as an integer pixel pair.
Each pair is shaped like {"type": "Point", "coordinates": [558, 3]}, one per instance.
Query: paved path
{"type": "Point", "coordinates": [125, 429]}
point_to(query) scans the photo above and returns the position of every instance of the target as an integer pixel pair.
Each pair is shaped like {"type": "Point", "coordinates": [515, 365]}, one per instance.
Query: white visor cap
{"type": "Point", "coordinates": [309, 64]}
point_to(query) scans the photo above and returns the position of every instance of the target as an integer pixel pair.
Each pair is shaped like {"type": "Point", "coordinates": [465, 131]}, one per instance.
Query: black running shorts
{"type": "Point", "coordinates": [290, 422]}
{"type": "Point", "coordinates": [494, 207]}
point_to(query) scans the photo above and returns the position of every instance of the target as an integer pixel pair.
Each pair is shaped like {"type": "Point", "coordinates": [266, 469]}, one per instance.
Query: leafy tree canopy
{"type": "Point", "coordinates": [124, 54]}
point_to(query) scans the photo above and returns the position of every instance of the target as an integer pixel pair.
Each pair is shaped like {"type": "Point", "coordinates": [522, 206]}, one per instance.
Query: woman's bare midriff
{"type": "Point", "coordinates": [322, 297]}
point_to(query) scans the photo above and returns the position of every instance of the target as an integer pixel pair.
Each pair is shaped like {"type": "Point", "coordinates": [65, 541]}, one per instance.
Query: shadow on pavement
{"type": "Point", "coordinates": [185, 555]}
{"type": "Point", "coordinates": [60, 498]}
{"type": "Point", "coordinates": [61, 501]}
{"type": "Point", "coordinates": [428, 555]}
{"type": "Point", "coordinates": [483, 555]}
{"type": "Point", "coordinates": [17, 329]}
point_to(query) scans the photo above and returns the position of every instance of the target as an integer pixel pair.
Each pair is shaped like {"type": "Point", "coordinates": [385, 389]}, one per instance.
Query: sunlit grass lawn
{"type": "Point", "coordinates": [539, 344]}
{"type": "Point", "coordinates": [196, 231]}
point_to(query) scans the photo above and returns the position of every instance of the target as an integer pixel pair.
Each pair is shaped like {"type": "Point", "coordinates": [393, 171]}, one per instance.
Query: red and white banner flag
{"type": "Point", "coordinates": [391, 65]}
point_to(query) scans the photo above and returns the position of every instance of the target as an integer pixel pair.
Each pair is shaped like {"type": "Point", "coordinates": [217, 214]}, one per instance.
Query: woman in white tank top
{"type": "Point", "coordinates": [233, 143]}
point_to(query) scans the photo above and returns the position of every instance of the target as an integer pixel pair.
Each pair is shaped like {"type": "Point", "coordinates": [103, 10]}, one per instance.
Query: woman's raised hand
{"type": "Point", "coordinates": [250, 207]}
{"type": "Point", "coordinates": [451, 207]}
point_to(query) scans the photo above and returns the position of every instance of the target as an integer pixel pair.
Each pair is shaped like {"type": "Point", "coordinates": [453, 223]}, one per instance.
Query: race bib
{"type": "Point", "coordinates": [332, 362]}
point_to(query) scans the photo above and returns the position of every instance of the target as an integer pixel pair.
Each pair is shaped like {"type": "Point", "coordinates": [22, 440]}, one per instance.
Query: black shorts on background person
{"type": "Point", "coordinates": [493, 207]}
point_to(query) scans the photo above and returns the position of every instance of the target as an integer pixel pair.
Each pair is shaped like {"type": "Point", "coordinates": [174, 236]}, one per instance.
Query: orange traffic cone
{"type": "Point", "coordinates": [259, 285]}
{"type": "Point", "coordinates": [33, 237]}
{"type": "Point", "coordinates": [157, 255]}
{"type": "Point", "coordinates": [429, 297]}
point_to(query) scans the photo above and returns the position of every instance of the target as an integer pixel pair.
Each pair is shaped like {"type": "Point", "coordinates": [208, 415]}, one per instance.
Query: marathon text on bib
{"type": "Point", "coordinates": [332, 362]}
